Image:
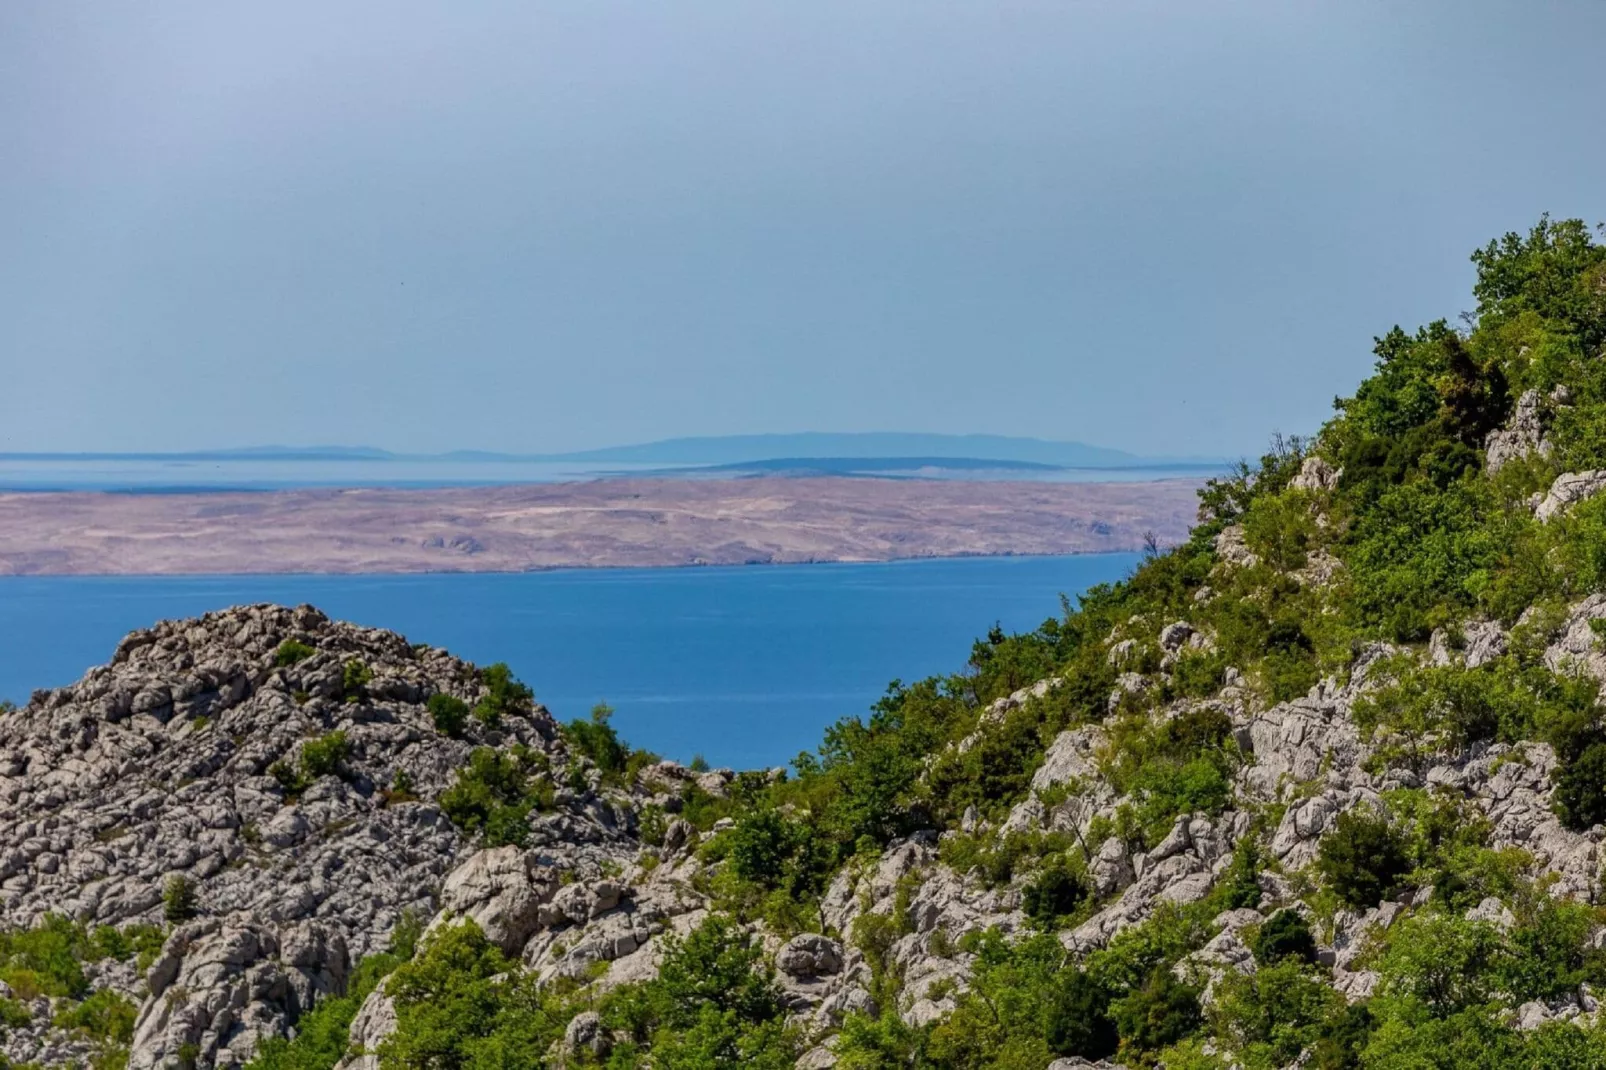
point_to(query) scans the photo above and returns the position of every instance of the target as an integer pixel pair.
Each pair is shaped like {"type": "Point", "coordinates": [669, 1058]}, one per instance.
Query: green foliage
{"type": "Point", "coordinates": [599, 741]}
{"type": "Point", "coordinates": [773, 850]}
{"type": "Point", "coordinates": [496, 792]}
{"type": "Point", "coordinates": [1057, 891]}
{"type": "Point", "coordinates": [1580, 797]}
{"type": "Point", "coordinates": [323, 1033]}
{"type": "Point", "coordinates": [1161, 1012]}
{"type": "Point", "coordinates": [504, 696]}
{"type": "Point", "coordinates": [1363, 858]}
{"type": "Point", "coordinates": [354, 679]}
{"type": "Point", "coordinates": [1285, 935]}
{"type": "Point", "coordinates": [1268, 1017]}
{"type": "Point", "coordinates": [321, 756]}
{"type": "Point", "coordinates": [1179, 766]}
{"type": "Point", "coordinates": [461, 1003]}
{"type": "Point", "coordinates": [290, 652]}
{"type": "Point", "coordinates": [712, 1005]}
{"type": "Point", "coordinates": [449, 714]}
{"type": "Point", "coordinates": [1025, 1007]}
{"type": "Point", "coordinates": [103, 1015]}
{"type": "Point", "coordinates": [46, 960]}
{"type": "Point", "coordinates": [178, 899]}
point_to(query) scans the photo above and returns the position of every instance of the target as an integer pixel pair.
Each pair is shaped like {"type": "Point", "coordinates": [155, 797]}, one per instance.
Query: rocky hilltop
{"type": "Point", "coordinates": [1325, 787]}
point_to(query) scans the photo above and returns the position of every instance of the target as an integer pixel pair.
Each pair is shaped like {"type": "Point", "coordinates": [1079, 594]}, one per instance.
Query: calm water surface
{"type": "Point", "coordinates": [745, 666]}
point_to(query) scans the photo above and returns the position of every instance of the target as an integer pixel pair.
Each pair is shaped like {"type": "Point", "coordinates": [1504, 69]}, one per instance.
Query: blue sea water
{"type": "Point", "coordinates": [745, 666]}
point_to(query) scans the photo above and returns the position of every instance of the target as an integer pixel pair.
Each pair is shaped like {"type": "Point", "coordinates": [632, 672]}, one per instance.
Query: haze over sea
{"type": "Point", "coordinates": [746, 666]}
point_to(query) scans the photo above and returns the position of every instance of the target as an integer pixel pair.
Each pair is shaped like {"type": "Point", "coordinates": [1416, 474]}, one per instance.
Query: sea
{"type": "Point", "coordinates": [743, 666]}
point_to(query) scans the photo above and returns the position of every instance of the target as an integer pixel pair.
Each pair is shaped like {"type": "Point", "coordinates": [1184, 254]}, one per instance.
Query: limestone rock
{"type": "Point", "coordinates": [1569, 489]}
{"type": "Point", "coordinates": [809, 955]}
{"type": "Point", "coordinates": [1523, 434]}
{"type": "Point", "coordinates": [1316, 474]}
{"type": "Point", "coordinates": [503, 890]}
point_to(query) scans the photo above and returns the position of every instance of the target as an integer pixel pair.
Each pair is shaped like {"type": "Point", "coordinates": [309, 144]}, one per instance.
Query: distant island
{"type": "Point", "coordinates": [768, 518]}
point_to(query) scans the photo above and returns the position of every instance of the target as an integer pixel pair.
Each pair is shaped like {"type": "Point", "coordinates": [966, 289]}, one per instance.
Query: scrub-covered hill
{"type": "Point", "coordinates": [1322, 787]}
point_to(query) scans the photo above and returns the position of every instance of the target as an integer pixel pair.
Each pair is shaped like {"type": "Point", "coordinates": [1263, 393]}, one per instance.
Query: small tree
{"type": "Point", "coordinates": [1286, 934]}
{"type": "Point", "coordinates": [1162, 1012]}
{"type": "Point", "coordinates": [354, 679]}
{"type": "Point", "coordinates": [178, 899]}
{"type": "Point", "coordinates": [449, 714]}
{"type": "Point", "coordinates": [1055, 892]}
{"type": "Point", "coordinates": [1363, 858]}
{"type": "Point", "coordinates": [290, 651]}
{"type": "Point", "coordinates": [1580, 798]}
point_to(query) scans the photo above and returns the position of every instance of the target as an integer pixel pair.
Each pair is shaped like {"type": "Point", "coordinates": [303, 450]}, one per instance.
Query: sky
{"type": "Point", "coordinates": [1166, 227]}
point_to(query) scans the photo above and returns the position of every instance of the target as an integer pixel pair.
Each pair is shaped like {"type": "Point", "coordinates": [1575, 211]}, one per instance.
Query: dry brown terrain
{"type": "Point", "coordinates": [613, 522]}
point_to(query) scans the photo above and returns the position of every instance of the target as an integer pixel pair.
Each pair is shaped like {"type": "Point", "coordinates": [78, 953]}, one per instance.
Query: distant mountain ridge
{"type": "Point", "coordinates": [701, 450]}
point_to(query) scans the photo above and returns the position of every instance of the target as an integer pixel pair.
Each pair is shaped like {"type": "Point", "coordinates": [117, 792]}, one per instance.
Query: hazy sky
{"type": "Point", "coordinates": [1162, 226]}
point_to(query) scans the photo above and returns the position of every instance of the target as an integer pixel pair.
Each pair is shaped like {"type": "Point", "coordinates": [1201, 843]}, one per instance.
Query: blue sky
{"type": "Point", "coordinates": [1168, 227]}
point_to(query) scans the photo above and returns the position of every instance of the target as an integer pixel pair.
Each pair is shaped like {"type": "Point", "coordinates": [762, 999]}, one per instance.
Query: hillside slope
{"type": "Point", "coordinates": [1322, 787]}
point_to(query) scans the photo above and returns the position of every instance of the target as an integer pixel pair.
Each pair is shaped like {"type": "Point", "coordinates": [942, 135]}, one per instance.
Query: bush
{"type": "Point", "coordinates": [461, 1003]}
{"type": "Point", "coordinates": [1079, 1022]}
{"type": "Point", "coordinates": [323, 1033]}
{"type": "Point", "coordinates": [1580, 797]}
{"type": "Point", "coordinates": [104, 1015]}
{"type": "Point", "coordinates": [769, 849]}
{"type": "Point", "coordinates": [1445, 963]}
{"type": "Point", "coordinates": [449, 714]}
{"type": "Point", "coordinates": [495, 794]}
{"type": "Point", "coordinates": [322, 756]}
{"type": "Point", "coordinates": [1286, 934]}
{"type": "Point", "coordinates": [45, 960]}
{"type": "Point", "coordinates": [1363, 858]}
{"type": "Point", "coordinates": [504, 695]}
{"type": "Point", "coordinates": [354, 680]}
{"type": "Point", "coordinates": [598, 740]}
{"type": "Point", "coordinates": [290, 651]}
{"type": "Point", "coordinates": [178, 899]}
{"type": "Point", "coordinates": [1055, 892]}
{"type": "Point", "coordinates": [1274, 1014]}
{"type": "Point", "coordinates": [1162, 1012]}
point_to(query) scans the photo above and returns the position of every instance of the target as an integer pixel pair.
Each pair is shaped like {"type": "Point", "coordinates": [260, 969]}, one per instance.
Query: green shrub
{"type": "Point", "coordinates": [322, 756]}
{"type": "Point", "coordinates": [290, 651]}
{"type": "Point", "coordinates": [448, 713]}
{"type": "Point", "coordinates": [45, 960]}
{"type": "Point", "coordinates": [1445, 963]}
{"type": "Point", "coordinates": [495, 794]}
{"type": "Point", "coordinates": [1079, 1022]}
{"type": "Point", "coordinates": [13, 1014]}
{"type": "Point", "coordinates": [461, 1003]}
{"type": "Point", "coordinates": [178, 899]}
{"type": "Point", "coordinates": [1580, 796]}
{"type": "Point", "coordinates": [1363, 858]}
{"type": "Point", "coordinates": [1286, 934]}
{"type": "Point", "coordinates": [769, 849]}
{"type": "Point", "coordinates": [1162, 1012]}
{"type": "Point", "coordinates": [322, 1034]}
{"type": "Point", "coordinates": [354, 679]}
{"type": "Point", "coordinates": [325, 755]}
{"type": "Point", "coordinates": [599, 741]}
{"type": "Point", "coordinates": [1342, 1038]}
{"type": "Point", "coordinates": [504, 695]}
{"type": "Point", "coordinates": [1271, 1016]}
{"type": "Point", "coordinates": [1056, 891]}
{"type": "Point", "coordinates": [104, 1015]}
